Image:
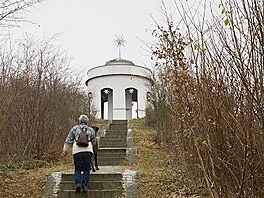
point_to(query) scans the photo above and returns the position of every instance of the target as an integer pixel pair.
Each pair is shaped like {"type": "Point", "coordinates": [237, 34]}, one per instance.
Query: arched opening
{"type": "Point", "coordinates": [131, 95]}
{"type": "Point", "coordinates": [107, 103]}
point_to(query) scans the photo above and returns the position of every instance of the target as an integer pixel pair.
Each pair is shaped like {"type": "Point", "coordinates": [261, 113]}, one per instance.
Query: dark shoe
{"type": "Point", "coordinates": [97, 168]}
{"type": "Point", "coordinates": [78, 188]}
{"type": "Point", "coordinates": [85, 189]}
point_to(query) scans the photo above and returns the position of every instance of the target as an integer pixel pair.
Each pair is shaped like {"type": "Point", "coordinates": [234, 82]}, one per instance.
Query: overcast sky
{"type": "Point", "coordinates": [87, 29]}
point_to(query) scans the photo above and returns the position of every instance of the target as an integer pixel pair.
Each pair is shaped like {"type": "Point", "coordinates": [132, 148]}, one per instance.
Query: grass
{"type": "Point", "coordinates": [160, 172]}
{"type": "Point", "coordinates": [28, 183]}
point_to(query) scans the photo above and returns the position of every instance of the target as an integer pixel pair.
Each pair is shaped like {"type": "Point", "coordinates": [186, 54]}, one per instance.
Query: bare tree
{"type": "Point", "coordinates": [213, 75]}
{"type": "Point", "coordinates": [39, 100]}
{"type": "Point", "coordinates": [11, 11]}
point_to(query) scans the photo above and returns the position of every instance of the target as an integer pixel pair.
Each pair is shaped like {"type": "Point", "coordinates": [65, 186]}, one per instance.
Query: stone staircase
{"type": "Point", "coordinates": [113, 179]}
{"type": "Point", "coordinates": [112, 147]}
{"type": "Point", "coordinates": [103, 184]}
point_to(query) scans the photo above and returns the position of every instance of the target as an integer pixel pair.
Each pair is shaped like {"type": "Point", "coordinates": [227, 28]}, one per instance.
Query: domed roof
{"type": "Point", "coordinates": [118, 67]}
{"type": "Point", "coordinates": [118, 61]}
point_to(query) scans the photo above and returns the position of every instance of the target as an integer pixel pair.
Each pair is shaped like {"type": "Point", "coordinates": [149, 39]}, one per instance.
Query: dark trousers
{"type": "Point", "coordinates": [82, 162]}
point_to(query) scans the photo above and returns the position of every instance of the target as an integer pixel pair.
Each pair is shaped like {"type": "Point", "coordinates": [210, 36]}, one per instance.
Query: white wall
{"type": "Point", "coordinates": [119, 77]}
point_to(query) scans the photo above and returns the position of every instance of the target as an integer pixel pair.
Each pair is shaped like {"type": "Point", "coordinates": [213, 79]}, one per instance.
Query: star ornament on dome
{"type": "Point", "coordinates": [120, 41]}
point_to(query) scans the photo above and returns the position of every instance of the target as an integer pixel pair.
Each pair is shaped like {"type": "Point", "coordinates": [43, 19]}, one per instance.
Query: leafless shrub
{"type": "Point", "coordinates": [212, 84]}
{"type": "Point", "coordinates": [39, 100]}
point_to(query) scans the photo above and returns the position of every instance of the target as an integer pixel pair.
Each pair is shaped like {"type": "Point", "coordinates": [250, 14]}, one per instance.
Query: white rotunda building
{"type": "Point", "coordinates": [119, 89]}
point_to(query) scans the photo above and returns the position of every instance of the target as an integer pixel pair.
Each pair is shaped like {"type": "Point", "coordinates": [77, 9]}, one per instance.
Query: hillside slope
{"type": "Point", "coordinates": [160, 173]}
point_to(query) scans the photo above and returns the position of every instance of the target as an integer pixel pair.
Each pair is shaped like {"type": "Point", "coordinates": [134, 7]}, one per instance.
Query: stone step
{"type": "Point", "coordinates": [111, 179]}
{"type": "Point", "coordinates": [112, 145]}
{"type": "Point", "coordinates": [97, 176]}
{"type": "Point", "coordinates": [91, 194]}
{"type": "Point", "coordinates": [122, 122]}
{"type": "Point", "coordinates": [111, 152]}
{"type": "Point", "coordinates": [112, 141]}
{"type": "Point", "coordinates": [110, 158]}
{"type": "Point", "coordinates": [117, 127]}
{"type": "Point", "coordinates": [114, 132]}
{"type": "Point", "coordinates": [57, 187]}
{"type": "Point", "coordinates": [117, 132]}
{"type": "Point", "coordinates": [114, 136]}
{"type": "Point", "coordinates": [93, 185]}
{"type": "Point", "coordinates": [112, 162]}
{"type": "Point", "coordinates": [106, 154]}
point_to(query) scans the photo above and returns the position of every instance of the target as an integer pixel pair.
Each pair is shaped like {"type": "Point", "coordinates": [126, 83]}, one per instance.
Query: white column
{"type": "Point", "coordinates": [119, 107]}
{"type": "Point", "coordinates": [128, 105]}
{"type": "Point", "coordinates": [141, 103]}
{"type": "Point", "coordinates": [110, 105]}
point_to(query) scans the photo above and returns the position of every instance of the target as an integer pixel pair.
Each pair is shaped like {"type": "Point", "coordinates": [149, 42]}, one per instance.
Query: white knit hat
{"type": "Point", "coordinates": [83, 118]}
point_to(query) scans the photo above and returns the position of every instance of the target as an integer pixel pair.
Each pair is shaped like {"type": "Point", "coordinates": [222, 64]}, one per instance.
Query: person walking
{"type": "Point", "coordinates": [81, 139]}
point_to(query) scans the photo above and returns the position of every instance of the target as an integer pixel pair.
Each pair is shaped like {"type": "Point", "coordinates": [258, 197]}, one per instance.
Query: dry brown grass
{"type": "Point", "coordinates": [29, 183]}
{"type": "Point", "coordinates": [160, 172]}
{"type": "Point", "coordinates": [28, 179]}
